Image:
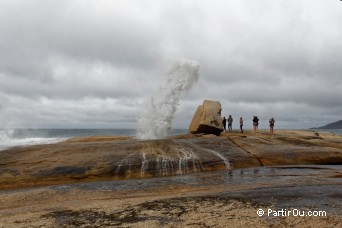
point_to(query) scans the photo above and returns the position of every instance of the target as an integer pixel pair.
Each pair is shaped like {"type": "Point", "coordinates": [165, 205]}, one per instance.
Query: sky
{"type": "Point", "coordinates": [95, 64]}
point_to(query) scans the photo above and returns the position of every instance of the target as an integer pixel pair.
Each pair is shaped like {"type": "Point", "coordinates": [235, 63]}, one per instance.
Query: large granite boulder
{"type": "Point", "coordinates": [207, 118]}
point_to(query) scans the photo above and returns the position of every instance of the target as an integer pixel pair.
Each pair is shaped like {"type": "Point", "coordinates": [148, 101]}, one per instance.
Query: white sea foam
{"type": "Point", "coordinates": [156, 123]}
{"type": "Point", "coordinates": [7, 140]}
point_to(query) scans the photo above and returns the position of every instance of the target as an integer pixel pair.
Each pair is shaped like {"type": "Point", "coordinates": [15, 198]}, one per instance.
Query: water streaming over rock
{"type": "Point", "coordinates": [168, 157]}
{"type": "Point", "coordinates": [156, 123]}
{"type": "Point", "coordinates": [225, 160]}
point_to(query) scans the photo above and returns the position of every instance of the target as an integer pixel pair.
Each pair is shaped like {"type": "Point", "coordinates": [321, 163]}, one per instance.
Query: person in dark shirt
{"type": "Point", "coordinates": [230, 122]}
{"type": "Point", "coordinates": [241, 124]}
{"type": "Point", "coordinates": [255, 123]}
{"type": "Point", "coordinates": [271, 121]}
{"type": "Point", "coordinates": [224, 122]}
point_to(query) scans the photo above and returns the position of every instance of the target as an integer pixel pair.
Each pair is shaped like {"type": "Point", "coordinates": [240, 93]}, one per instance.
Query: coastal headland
{"type": "Point", "coordinates": [120, 157]}
{"type": "Point", "coordinates": [193, 180]}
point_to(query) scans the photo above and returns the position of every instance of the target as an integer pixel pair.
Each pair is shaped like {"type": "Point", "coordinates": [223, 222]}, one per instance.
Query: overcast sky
{"type": "Point", "coordinates": [95, 64]}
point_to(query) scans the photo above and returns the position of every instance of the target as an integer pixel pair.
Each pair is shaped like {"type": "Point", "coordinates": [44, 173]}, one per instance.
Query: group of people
{"type": "Point", "coordinates": [255, 124]}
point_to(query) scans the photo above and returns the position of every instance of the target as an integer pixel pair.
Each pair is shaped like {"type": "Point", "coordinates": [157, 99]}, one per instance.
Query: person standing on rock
{"type": "Point", "coordinates": [241, 124]}
{"type": "Point", "coordinates": [224, 122]}
{"type": "Point", "coordinates": [255, 123]}
{"type": "Point", "coordinates": [271, 125]}
{"type": "Point", "coordinates": [230, 122]}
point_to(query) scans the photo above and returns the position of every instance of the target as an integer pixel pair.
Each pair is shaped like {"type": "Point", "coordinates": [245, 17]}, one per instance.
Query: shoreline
{"type": "Point", "coordinates": [32, 136]}
{"type": "Point", "coordinates": [120, 157]}
{"type": "Point", "coordinates": [174, 182]}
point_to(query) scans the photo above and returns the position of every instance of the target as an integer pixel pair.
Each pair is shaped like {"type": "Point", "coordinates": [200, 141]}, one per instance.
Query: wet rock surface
{"type": "Point", "coordinates": [176, 212]}
{"type": "Point", "coordinates": [115, 158]}
{"type": "Point", "coordinates": [206, 199]}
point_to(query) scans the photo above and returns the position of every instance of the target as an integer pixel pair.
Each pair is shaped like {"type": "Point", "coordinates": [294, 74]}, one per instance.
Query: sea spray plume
{"type": "Point", "coordinates": [156, 123]}
{"type": "Point", "coordinates": [3, 132]}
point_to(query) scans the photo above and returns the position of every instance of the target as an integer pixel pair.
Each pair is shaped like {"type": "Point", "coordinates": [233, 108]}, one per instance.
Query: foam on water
{"type": "Point", "coordinates": [156, 123]}
{"type": "Point", "coordinates": [8, 139]}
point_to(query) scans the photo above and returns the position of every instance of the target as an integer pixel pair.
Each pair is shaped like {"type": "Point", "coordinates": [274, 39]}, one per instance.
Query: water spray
{"type": "Point", "coordinates": [156, 123]}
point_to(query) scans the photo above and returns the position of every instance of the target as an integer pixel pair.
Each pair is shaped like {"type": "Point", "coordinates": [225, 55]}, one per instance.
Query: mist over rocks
{"type": "Point", "coordinates": [207, 118]}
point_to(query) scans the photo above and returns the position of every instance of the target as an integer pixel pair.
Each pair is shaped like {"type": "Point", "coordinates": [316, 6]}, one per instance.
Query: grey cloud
{"type": "Point", "coordinates": [66, 62]}
{"type": "Point", "coordinates": [34, 34]}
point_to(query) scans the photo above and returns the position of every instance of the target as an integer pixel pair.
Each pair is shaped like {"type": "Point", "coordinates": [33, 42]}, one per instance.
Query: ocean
{"type": "Point", "coordinates": [25, 137]}
{"type": "Point", "coordinates": [335, 131]}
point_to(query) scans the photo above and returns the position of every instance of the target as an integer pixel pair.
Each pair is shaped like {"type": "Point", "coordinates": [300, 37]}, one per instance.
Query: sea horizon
{"type": "Point", "coordinates": [33, 136]}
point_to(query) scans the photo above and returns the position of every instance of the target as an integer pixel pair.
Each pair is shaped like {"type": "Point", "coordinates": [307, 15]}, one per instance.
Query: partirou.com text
{"type": "Point", "coordinates": [290, 212]}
